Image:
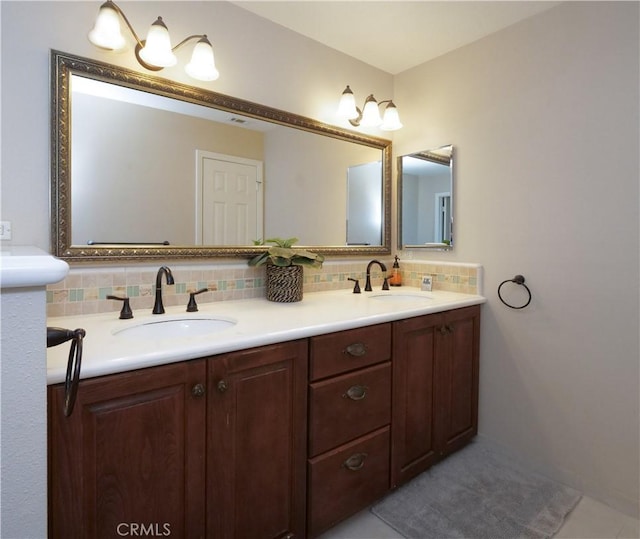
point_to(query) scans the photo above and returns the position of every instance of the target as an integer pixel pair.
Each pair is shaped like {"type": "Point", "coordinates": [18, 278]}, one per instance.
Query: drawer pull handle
{"type": "Point", "coordinates": [355, 462]}
{"type": "Point", "coordinates": [356, 349]}
{"type": "Point", "coordinates": [356, 393]}
{"type": "Point", "coordinates": [222, 386]}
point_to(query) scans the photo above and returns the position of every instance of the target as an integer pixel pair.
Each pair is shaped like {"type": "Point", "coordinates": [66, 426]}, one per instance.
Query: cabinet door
{"type": "Point", "coordinates": [130, 459]}
{"type": "Point", "coordinates": [457, 350]}
{"type": "Point", "coordinates": [257, 442]}
{"type": "Point", "coordinates": [413, 446]}
{"type": "Point", "coordinates": [435, 389]}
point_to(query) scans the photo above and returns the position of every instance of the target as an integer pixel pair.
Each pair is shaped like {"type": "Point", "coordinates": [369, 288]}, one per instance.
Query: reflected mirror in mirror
{"type": "Point", "coordinates": [160, 169]}
{"type": "Point", "coordinates": [425, 184]}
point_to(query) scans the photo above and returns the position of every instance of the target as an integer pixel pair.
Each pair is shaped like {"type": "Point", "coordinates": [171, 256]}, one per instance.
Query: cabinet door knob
{"type": "Point", "coordinates": [356, 349]}
{"type": "Point", "coordinates": [445, 330]}
{"type": "Point", "coordinates": [198, 390]}
{"type": "Point", "coordinates": [355, 462]}
{"type": "Point", "coordinates": [356, 393]}
{"type": "Point", "coordinates": [222, 386]}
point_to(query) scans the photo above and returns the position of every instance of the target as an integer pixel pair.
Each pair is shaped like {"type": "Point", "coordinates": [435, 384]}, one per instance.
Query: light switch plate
{"type": "Point", "coordinates": [5, 230]}
{"type": "Point", "coordinates": [427, 281]}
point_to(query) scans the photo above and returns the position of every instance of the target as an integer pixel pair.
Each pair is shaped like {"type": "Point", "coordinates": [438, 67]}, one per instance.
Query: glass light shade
{"type": "Point", "coordinates": [202, 65]}
{"type": "Point", "coordinates": [370, 114]}
{"type": "Point", "coordinates": [347, 109]}
{"type": "Point", "coordinates": [106, 32]}
{"type": "Point", "coordinates": [157, 48]}
{"type": "Point", "coordinates": [391, 119]}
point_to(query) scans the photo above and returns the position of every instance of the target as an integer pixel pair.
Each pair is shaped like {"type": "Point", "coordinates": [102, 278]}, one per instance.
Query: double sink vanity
{"type": "Point", "coordinates": [251, 418]}
{"type": "Point", "coordinates": [247, 418]}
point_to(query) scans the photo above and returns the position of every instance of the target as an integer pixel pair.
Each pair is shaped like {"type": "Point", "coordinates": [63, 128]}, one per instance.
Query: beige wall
{"type": "Point", "coordinates": [544, 119]}
{"type": "Point", "coordinates": [306, 182]}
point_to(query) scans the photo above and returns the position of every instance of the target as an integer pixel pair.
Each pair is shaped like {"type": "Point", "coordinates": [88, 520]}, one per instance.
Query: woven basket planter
{"type": "Point", "coordinates": [284, 283]}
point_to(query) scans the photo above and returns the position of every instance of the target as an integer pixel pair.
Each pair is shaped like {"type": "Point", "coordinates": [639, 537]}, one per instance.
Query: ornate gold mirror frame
{"type": "Point", "coordinates": [64, 65]}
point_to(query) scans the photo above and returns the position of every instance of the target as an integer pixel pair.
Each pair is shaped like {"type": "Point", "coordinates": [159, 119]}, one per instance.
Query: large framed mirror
{"type": "Point", "coordinates": [143, 167]}
{"type": "Point", "coordinates": [425, 199]}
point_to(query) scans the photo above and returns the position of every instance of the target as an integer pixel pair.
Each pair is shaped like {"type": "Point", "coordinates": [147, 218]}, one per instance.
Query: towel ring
{"type": "Point", "coordinates": [518, 279]}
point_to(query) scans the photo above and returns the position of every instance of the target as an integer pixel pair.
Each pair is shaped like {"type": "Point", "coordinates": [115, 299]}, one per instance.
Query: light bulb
{"type": "Point", "coordinates": [157, 48]}
{"type": "Point", "coordinates": [391, 119]}
{"type": "Point", "coordinates": [202, 65]}
{"type": "Point", "coordinates": [106, 32]}
{"type": "Point", "coordinates": [370, 114]}
{"type": "Point", "coordinates": [347, 109]}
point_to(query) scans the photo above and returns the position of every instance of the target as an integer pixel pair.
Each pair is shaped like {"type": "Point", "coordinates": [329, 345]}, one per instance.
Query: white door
{"type": "Point", "coordinates": [228, 199]}
{"type": "Point", "coordinates": [443, 218]}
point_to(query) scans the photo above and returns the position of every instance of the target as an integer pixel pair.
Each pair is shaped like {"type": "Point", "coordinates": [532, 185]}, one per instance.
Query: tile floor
{"type": "Point", "coordinates": [589, 520]}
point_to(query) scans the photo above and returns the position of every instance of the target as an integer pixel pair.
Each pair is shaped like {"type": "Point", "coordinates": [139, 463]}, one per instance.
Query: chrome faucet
{"type": "Point", "coordinates": [385, 284]}
{"type": "Point", "coordinates": [158, 308]}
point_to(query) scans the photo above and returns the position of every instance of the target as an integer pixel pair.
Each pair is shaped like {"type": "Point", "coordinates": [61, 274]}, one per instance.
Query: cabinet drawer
{"type": "Point", "coordinates": [347, 479]}
{"type": "Point", "coordinates": [347, 406]}
{"type": "Point", "coordinates": [348, 350]}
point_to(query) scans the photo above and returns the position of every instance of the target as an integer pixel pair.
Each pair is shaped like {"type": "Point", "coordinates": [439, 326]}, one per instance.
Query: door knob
{"type": "Point", "coordinates": [198, 390]}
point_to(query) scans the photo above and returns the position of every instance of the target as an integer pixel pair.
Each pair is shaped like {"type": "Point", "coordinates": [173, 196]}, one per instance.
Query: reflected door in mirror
{"type": "Point", "coordinates": [228, 200]}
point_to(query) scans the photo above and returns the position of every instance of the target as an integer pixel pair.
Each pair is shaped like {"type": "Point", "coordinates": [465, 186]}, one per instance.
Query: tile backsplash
{"type": "Point", "coordinates": [84, 290]}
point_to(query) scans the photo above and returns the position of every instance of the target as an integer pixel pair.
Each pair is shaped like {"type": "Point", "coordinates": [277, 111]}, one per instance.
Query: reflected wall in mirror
{"type": "Point", "coordinates": [144, 167]}
{"type": "Point", "coordinates": [425, 187]}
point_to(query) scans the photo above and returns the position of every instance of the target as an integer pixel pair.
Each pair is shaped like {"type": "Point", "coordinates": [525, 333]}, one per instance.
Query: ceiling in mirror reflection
{"type": "Point", "coordinates": [96, 88]}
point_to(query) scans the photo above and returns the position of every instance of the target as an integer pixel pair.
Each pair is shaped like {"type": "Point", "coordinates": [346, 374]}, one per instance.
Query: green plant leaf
{"type": "Point", "coordinates": [281, 242]}
{"type": "Point", "coordinates": [281, 253]}
{"type": "Point", "coordinates": [260, 259]}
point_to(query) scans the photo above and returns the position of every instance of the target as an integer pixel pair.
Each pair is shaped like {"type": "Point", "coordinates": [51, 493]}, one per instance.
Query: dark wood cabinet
{"type": "Point", "coordinates": [435, 389]}
{"type": "Point", "coordinates": [256, 459]}
{"type": "Point", "coordinates": [132, 454]}
{"type": "Point", "coordinates": [349, 416]}
{"type": "Point", "coordinates": [214, 447]}
{"type": "Point", "coordinates": [279, 441]}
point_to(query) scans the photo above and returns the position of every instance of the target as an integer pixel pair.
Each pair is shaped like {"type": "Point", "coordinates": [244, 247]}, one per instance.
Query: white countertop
{"type": "Point", "coordinates": [25, 266]}
{"type": "Point", "coordinates": [259, 322]}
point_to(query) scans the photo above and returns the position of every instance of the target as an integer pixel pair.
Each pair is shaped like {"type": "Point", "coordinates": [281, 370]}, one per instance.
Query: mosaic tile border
{"type": "Point", "coordinates": [84, 290]}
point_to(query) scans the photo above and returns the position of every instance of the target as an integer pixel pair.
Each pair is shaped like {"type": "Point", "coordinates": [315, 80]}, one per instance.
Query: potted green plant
{"type": "Point", "coordinates": [284, 268]}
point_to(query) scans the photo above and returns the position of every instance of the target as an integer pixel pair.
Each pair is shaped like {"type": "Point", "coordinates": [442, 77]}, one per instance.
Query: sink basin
{"type": "Point", "coordinates": [400, 297]}
{"type": "Point", "coordinates": [176, 327]}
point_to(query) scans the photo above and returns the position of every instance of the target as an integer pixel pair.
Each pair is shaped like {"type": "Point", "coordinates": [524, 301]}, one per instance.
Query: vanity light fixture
{"type": "Point", "coordinates": [154, 53]}
{"type": "Point", "coordinates": [369, 116]}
